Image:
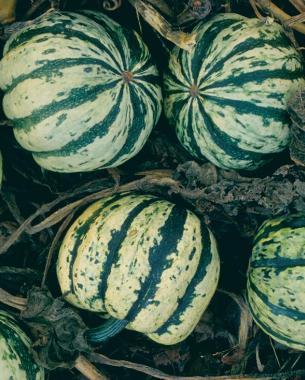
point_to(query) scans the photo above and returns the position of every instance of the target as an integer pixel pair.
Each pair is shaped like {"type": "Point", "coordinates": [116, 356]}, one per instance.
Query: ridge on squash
{"type": "Point", "coordinates": [227, 97]}
{"type": "Point", "coordinates": [82, 91]}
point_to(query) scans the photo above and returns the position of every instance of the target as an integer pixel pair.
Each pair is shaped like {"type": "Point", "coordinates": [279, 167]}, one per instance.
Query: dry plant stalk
{"type": "Point", "coordinates": [112, 5]}
{"type": "Point", "coordinates": [12, 301]}
{"type": "Point", "coordinates": [155, 373]}
{"type": "Point", "coordinates": [85, 367]}
{"type": "Point", "coordinates": [299, 5]}
{"type": "Point", "coordinates": [7, 11]}
{"type": "Point", "coordinates": [163, 6]}
{"type": "Point", "coordinates": [157, 21]}
{"type": "Point", "coordinates": [245, 326]}
{"type": "Point", "coordinates": [286, 19]}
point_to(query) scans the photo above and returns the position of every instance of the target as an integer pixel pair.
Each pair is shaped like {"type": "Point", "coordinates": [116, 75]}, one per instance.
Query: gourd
{"type": "Point", "coordinates": [276, 280]}
{"type": "Point", "coordinates": [227, 97]}
{"type": "Point", "coordinates": [82, 92]}
{"type": "Point", "coordinates": [149, 264]}
{"type": "Point", "coordinates": [16, 361]}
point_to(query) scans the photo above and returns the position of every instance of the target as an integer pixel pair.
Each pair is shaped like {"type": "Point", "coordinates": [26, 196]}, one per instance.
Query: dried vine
{"type": "Point", "coordinates": [112, 5]}
{"type": "Point", "coordinates": [293, 22]}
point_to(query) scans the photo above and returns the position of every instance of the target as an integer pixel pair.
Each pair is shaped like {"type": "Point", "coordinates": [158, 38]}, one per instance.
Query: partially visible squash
{"type": "Point", "coordinates": [16, 361]}
{"type": "Point", "coordinates": [276, 280]}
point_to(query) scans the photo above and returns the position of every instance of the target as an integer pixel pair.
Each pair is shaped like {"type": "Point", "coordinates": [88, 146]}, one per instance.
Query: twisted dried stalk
{"type": "Point", "coordinates": [293, 22]}
{"type": "Point", "coordinates": [112, 5]}
{"type": "Point", "coordinates": [158, 22]}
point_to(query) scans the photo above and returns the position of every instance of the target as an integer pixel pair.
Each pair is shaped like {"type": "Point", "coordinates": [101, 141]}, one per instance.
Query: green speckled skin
{"type": "Point", "coordinates": [82, 92]}
{"type": "Point", "coordinates": [227, 97]}
{"type": "Point", "coordinates": [16, 362]}
{"type": "Point", "coordinates": [141, 259]}
{"type": "Point", "coordinates": [276, 280]}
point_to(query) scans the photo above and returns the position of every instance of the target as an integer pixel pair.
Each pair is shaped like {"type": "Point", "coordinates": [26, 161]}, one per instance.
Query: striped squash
{"type": "Point", "coordinates": [227, 97]}
{"type": "Point", "coordinates": [151, 265]}
{"type": "Point", "coordinates": [82, 92]}
{"type": "Point", "coordinates": [276, 280]}
{"type": "Point", "coordinates": [16, 362]}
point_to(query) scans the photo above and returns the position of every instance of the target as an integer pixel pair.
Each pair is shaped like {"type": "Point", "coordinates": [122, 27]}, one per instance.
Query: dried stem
{"type": "Point", "coordinates": [35, 6]}
{"type": "Point", "coordinates": [53, 247]}
{"type": "Point", "coordinates": [60, 214]}
{"type": "Point", "coordinates": [12, 301]}
{"type": "Point", "coordinates": [27, 223]}
{"type": "Point", "coordinates": [163, 6]}
{"type": "Point", "coordinates": [85, 367]}
{"type": "Point", "coordinates": [7, 11]}
{"type": "Point", "coordinates": [278, 13]}
{"type": "Point", "coordinates": [298, 4]}
{"type": "Point", "coordinates": [112, 5]}
{"type": "Point", "coordinates": [153, 17]}
{"type": "Point", "coordinates": [256, 11]}
{"type": "Point", "coordinates": [297, 18]}
{"type": "Point", "coordinates": [245, 326]}
{"type": "Point", "coordinates": [102, 359]}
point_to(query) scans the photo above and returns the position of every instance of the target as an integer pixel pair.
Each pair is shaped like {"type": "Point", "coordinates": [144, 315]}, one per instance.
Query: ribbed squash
{"type": "Point", "coordinates": [82, 92]}
{"type": "Point", "coordinates": [228, 96]}
{"type": "Point", "coordinates": [276, 280]}
{"type": "Point", "coordinates": [151, 265]}
{"type": "Point", "coordinates": [16, 362]}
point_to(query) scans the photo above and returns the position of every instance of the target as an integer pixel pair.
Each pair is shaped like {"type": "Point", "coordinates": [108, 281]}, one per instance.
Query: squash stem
{"type": "Point", "coordinates": [107, 330]}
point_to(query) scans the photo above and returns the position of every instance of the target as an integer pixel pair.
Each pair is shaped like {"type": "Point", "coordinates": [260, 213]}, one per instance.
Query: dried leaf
{"type": "Point", "coordinates": [59, 330]}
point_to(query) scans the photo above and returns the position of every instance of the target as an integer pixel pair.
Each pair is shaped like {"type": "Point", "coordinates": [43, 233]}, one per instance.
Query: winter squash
{"type": "Point", "coordinates": [149, 264]}
{"type": "Point", "coordinates": [81, 91]}
{"type": "Point", "coordinates": [276, 286]}
{"type": "Point", "coordinates": [16, 362]}
{"type": "Point", "coordinates": [227, 97]}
